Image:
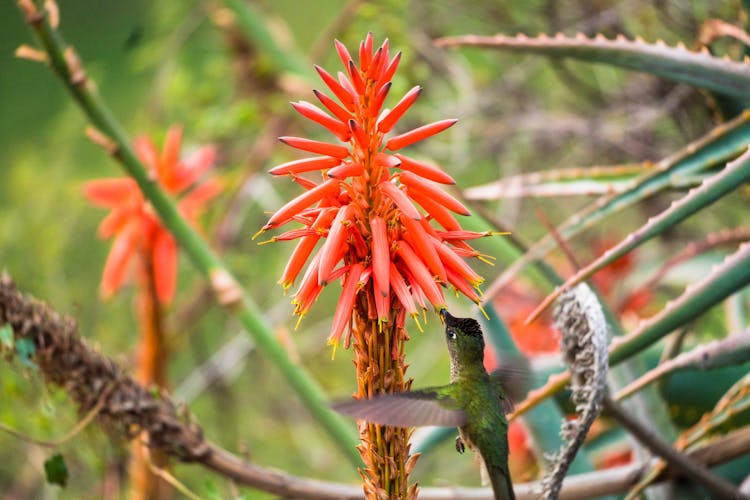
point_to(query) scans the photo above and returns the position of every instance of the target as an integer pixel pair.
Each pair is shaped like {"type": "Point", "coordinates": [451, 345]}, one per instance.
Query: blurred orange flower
{"type": "Point", "coordinates": [132, 222]}
{"type": "Point", "coordinates": [366, 207]}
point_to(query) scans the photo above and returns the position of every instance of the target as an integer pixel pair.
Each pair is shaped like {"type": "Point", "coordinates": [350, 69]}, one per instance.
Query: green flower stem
{"type": "Point", "coordinates": [64, 63]}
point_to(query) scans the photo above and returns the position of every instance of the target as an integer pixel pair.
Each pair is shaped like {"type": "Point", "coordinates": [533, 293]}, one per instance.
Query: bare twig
{"type": "Point", "coordinates": [678, 461]}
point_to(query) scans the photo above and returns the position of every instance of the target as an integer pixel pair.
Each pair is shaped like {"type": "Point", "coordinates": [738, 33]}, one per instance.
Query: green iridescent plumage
{"type": "Point", "coordinates": [475, 402]}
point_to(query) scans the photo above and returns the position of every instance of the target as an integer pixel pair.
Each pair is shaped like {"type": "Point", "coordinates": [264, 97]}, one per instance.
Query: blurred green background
{"type": "Point", "coordinates": [158, 63]}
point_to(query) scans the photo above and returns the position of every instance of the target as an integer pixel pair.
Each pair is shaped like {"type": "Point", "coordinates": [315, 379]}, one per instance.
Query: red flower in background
{"type": "Point", "coordinates": [132, 222]}
{"type": "Point", "coordinates": [365, 207]}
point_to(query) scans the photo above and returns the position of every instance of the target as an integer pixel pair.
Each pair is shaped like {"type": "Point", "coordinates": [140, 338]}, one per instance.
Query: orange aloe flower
{"type": "Point", "coordinates": [132, 223]}
{"type": "Point", "coordinates": [385, 222]}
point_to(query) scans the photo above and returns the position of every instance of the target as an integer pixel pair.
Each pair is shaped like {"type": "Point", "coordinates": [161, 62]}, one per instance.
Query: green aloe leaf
{"type": "Point", "coordinates": [727, 278]}
{"type": "Point", "coordinates": [721, 144]}
{"type": "Point", "coordinates": [731, 275]}
{"type": "Point", "coordinates": [731, 350]}
{"type": "Point", "coordinates": [698, 69]}
{"type": "Point", "coordinates": [714, 188]}
{"type": "Point", "coordinates": [576, 181]}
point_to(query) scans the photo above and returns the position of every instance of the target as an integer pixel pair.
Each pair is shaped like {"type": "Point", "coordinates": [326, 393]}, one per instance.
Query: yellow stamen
{"type": "Point", "coordinates": [335, 344]}
{"type": "Point", "coordinates": [483, 311]}
{"type": "Point", "coordinates": [415, 316]}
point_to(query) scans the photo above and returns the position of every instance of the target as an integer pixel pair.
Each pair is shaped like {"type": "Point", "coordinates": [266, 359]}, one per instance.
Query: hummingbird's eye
{"type": "Point", "coordinates": [451, 333]}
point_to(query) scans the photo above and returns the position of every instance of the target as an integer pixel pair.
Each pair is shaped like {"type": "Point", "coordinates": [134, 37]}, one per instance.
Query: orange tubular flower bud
{"type": "Point", "coordinates": [357, 82]}
{"type": "Point", "coordinates": [462, 286]}
{"type": "Point", "coordinates": [401, 290]}
{"type": "Point", "coordinates": [305, 165]}
{"type": "Point", "coordinates": [332, 106]}
{"type": "Point", "coordinates": [381, 254]}
{"type": "Point", "coordinates": [345, 97]}
{"type": "Point", "coordinates": [386, 123]}
{"type": "Point", "coordinates": [463, 235]}
{"type": "Point", "coordinates": [330, 252]}
{"type": "Point", "coordinates": [344, 81]}
{"type": "Point", "coordinates": [420, 241]}
{"type": "Point", "coordinates": [318, 147]}
{"type": "Point", "coordinates": [424, 170]}
{"type": "Point", "coordinates": [297, 260]}
{"type": "Point", "coordinates": [342, 51]}
{"type": "Point", "coordinates": [111, 193]}
{"type": "Point", "coordinates": [421, 274]}
{"type": "Point", "coordinates": [343, 313]}
{"type": "Point", "coordinates": [305, 247]}
{"type": "Point", "coordinates": [383, 307]}
{"type": "Point", "coordinates": [376, 65]}
{"type": "Point", "coordinates": [319, 116]}
{"type": "Point", "coordinates": [302, 201]}
{"type": "Point", "coordinates": [438, 212]}
{"type": "Point", "coordinates": [386, 160]}
{"type": "Point", "coordinates": [347, 170]}
{"type": "Point", "coordinates": [380, 96]}
{"type": "Point", "coordinates": [400, 199]}
{"type": "Point", "coordinates": [390, 69]}
{"type": "Point", "coordinates": [416, 183]}
{"type": "Point", "coordinates": [418, 134]}
{"type": "Point", "coordinates": [359, 135]}
{"type": "Point", "coordinates": [453, 262]}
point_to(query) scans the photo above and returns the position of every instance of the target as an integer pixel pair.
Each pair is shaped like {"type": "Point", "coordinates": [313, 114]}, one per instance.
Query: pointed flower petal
{"type": "Point", "coordinates": [421, 243]}
{"type": "Point", "coordinates": [400, 199]}
{"type": "Point", "coordinates": [111, 193]}
{"type": "Point", "coordinates": [417, 183]}
{"type": "Point", "coordinates": [192, 168]}
{"type": "Point", "coordinates": [330, 253]}
{"type": "Point", "coordinates": [453, 262]}
{"type": "Point", "coordinates": [386, 123]}
{"type": "Point", "coordinates": [170, 155]}
{"type": "Point", "coordinates": [418, 134]}
{"type": "Point", "coordinates": [305, 165]}
{"type": "Point", "coordinates": [425, 170]}
{"type": "Point", "coordinates": [343, 313]}
{"type": "Point", "coordinates": [340, 92]}
{"type": "Point", "coordinates": [332, 106]}
{"type": "Point", "coordinates": [401, 290]}
{"type": "Point", "coordinates": [302, 201]}
{"type": "Point", "coordinates": [165, 266]}
{"type": "Point", "coordinates": [318, 147]}
{"type": "Point", "coordinates": [420, 274]}
{"type": "Point", "coordinates": [381, 254]}
{"type": "Point", "coordinates": [437, 211]}
{"type": "Point", "coordinates": [347, 170]}
{"type": "Point", "coordinates": [319, 116]}
{"type": "Point", "coordinates": [122, 251]}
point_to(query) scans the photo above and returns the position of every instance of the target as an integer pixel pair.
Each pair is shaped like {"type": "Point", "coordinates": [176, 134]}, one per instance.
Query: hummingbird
{"type": "Point", "coordinates": [475, 402]}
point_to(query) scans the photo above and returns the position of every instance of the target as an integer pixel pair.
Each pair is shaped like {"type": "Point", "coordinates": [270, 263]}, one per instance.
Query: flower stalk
{"type": "Point", "coordinates": [374, 209]}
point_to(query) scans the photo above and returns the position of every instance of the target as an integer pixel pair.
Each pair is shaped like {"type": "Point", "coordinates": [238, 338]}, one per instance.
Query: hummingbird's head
{"type": "Point", "coordinates": [464, 338]}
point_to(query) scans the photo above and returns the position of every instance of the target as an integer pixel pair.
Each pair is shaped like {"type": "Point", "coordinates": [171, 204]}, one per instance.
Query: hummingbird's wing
{"type": "Point", "coordinates": [512, 380]}
{"type": "Point", "coordinates": [406, 409]}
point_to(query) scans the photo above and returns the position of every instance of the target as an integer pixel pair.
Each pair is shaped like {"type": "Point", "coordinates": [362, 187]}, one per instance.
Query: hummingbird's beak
{"type": "Point", "coordinates": [446, 316]}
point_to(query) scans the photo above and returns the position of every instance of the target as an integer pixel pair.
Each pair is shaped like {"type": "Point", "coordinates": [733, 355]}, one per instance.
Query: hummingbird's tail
{"type": "Point", "coordinates": [501, 484]}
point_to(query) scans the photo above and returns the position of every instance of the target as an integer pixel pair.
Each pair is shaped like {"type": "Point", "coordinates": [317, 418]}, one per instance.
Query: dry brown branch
{"type": "Point", "coordinates": [130, 409]}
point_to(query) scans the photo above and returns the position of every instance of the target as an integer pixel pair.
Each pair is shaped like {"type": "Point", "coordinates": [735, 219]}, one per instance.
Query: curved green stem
{"type": "Point", "coordinates": [66, 65]}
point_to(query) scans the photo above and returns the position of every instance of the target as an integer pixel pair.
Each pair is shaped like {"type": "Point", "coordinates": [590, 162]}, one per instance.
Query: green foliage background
{"type": "Point", "coordinates": [158, 63]}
